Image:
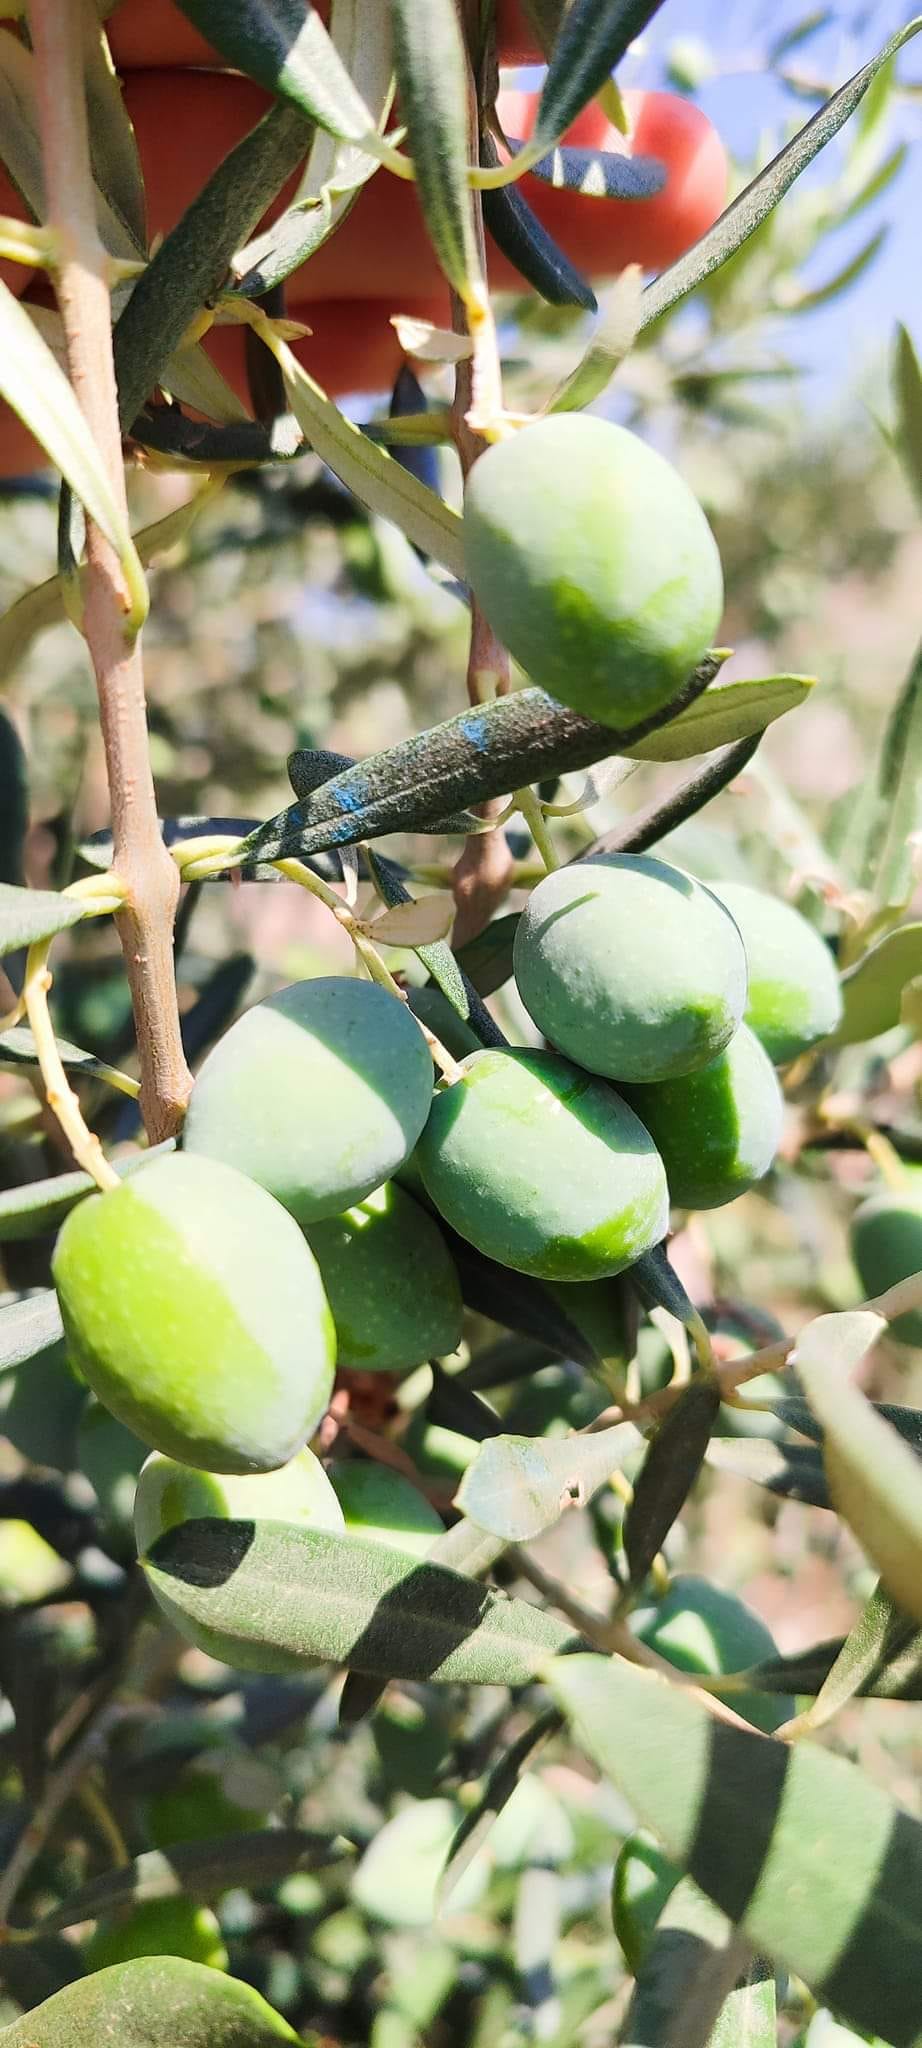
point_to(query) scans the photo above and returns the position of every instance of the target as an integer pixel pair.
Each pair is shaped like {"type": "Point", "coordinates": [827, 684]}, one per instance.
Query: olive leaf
{"type": "Point", "coordinates": [14, 802]}
{"type": "Point", "coordinates": [872, 990]}
{"type": "Point", "coordinates": [40, 1205]}
{"type": "Point", "coordinates": [907, 389]}
{"type": "Point", "coordinates": [347, 1601]}
{"type": "Point", "coordinates": [793, 1471]}
{"type": "Point", "coordinates": [202, 1869]}
{"type": "Point", "coordinates": [612, 339]}
{"type": "Point", "coordinates": [686, 1980]}
{"type": "Point", "coordinates": [881, 1632]}
{"type": "Point", "coordinates": [28, 1328]}
{"type": "Point", "coordinates": [726, 712]}
{"type": "Point", "coordinates": [897, 1674]}
{"type": "Point", "coordinates": [896, 801]}
{"type": "Point", "coordinates": [758, 1823]}
{"type": "Point", "coordinates": [525, 242]}
{"type": "Point", "coordinates": [432, 80]}
{"type": "Point", "coordinates": [874, 1478]}
{"type": "Point", "coordinates": [335, 171]}
{"type": "Point", "coordinates": [486, 751]}
{"type": "Point", "coordinates": [445, 970]}
{"type": "Point", "coordinates": [502, 1779]}
{"type": "Point", "coordinates": [17, 1049]}
{"type": "Point", "coordinates": [517, 1486]}
{"type": "Point", "coordinates": [27, 915]}
{"type": "Point", "coordinates": [422, 921]}
{"type": "Point", "coordinates": [153, 2002]}
{"type": "Point", "coordinates": [285, 47]}
{"type": "Point", "coordinates": [116, 162]}
{"type": "Point", "coordinates": [668, 1473]}
{"type": "Point", "coordinates": [798, 1414]}
{"type": "Point", "coordinates": [591, 41]}
{"type": "Point", "coordinates": [596, 173]}
{"type": "Point", "coordinates": [747, 212]}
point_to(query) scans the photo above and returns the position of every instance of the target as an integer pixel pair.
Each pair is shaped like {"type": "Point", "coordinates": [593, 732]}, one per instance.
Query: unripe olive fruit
{"type": "Point", "coordinates": [542, 1167]}
{"type": "Point", "coordinates": [630, 967]}
{"type": "Point", "coordinates": [384, 1507]}
{"type": "Point", "coordinates": [194, 1308]}
{"type": "Point", "coordinates": [594, 564]}
{"type": "Point", "coordinates": [158, 1927]}
{"type": "Point", "coordinates": [719, 1129]}
{"type": "Point", "coordinates": [390, 1282]}
{"type": "Point", "coordinates": [795, 996]}
{"type": "Point", "coordinates": [169, 1493]}
{"type": "Point", "coordinates": [700, 1627]}
{"type": "Point", "coordinates": [319, 1094]}
{"type": "Point", "coordinates": [886, 1243]}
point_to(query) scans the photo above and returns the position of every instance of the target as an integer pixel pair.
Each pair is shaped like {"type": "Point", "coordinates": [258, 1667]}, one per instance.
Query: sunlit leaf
{"type": "Point", "coordinates": [880, 1632]}
{"type": "Point", "coordinates": [287, 49]}
{"type": "Point", "coordinates": [153, 2002]}
{"type": "Point", "coordinates": [802, 1851]}
{"type": "Point", "coordinates": [28, 1328]}
{"type": "Point", "coordinates": [872, 990]}
{"type": "Point", "coordinates": [432, 79]}
{"type": "Point", "coordinates": [30, 914]}
{"type": "Point", "coordinates": [907, 390]}
{"type": "Point", "coordinates": [116, 162]}
{"type": "Point", "coordinates": [612, 339]}
{"type": "Point", "coordinates": [727, 712]}
{"type": "Point", "coordinates": [591, 42]}
{"type": "Point", "coordinates": [518, 1485]}
{"type": "Point", "coordinates": [874, 1478]}
{"type": "Point", "coordinates": [271, 1588]}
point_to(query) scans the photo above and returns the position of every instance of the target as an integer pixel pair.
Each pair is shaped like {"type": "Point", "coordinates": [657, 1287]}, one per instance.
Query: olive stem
{"type": "Point", "coordinates": [115, 596]}
{"type": "Point", "coordinates": [59, 1094]}
{"type": "Point", "coordinates": [297, 871]}
{"type": "Point", "coordinates": [532, 811]}
{"type": "Point", "coordinates": [878, 1147]}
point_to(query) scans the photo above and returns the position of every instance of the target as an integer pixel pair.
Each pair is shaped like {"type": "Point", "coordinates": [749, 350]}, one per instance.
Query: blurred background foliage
{"type": "Point", "coordinates": [288, 618]}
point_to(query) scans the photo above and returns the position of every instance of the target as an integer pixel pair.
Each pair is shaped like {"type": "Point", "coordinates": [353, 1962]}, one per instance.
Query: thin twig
{"type": "Point", "coordinates": [145, 925]}
{"type": "Point", "coordinates": [650, 825]}
{"type": "Point", "coordinates": [61, 1786]}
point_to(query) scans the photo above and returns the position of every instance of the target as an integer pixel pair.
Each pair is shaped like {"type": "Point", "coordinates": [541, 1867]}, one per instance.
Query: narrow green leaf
{"type": "Point", "coordinates": [37, 389]}
{"type": "Point", "coordinates": [668, 1473]}
{"type": "Point", "coordinates": [795, 300]}
{"type": "Point", "coordinates": [808, 1857]}
{"type": "Point", "coordinates": [487, 751]}
{"type": "Point", "coordinates": [274, 1588]}
{"type": "Point", "coordinates": [29, 1327]}
{"type": "Point", "coordinates": [592, 40]}
{"type": "Point", "coordinates": [874, 1478]}
{"type": "Point", "coordinates": [749, 2017]}
{"type": "Point", "coordinates": [752, 207]}
{"type": "Point", "coordinates": [41, 1205]}
{"type": "Point", "coordinates": [799, 1415]}
{"type": "Point", "coordinates": [487, 960]}
{"type": "Point", "coordinates": [502, 1779]}
{"type": "Point", "coordinates": [190, 267]}
{"type": "Point", "coordinates": [896, 1676]}
{"type": "Point", "coordinates": [116, 163]}
{"type": "Point", "coordinates": [377, 480]}
{"type": "Point", "coordinates": [687, 1976]}
{"type": "Point", "coordinates": [880, 1630]}
{"type": "Point", "coordinates": [17, 1049]}
{"type": "Point", "coordinates": [22, 155]}
{"type": "Point", "coordinates": [793, 1471]}
{"type": "Point", "coordinates": [907, 390]}
{"type": "Point", "coordinates": [203, 1870]}
{"type": "Point", "coordinates": [897, 807]}
{"type": "Point", "coordinates": [872, 989]}
{"type": "Point", "coordinates": [283, 45]}
{"type": "Point", "coordinates": [611, 340]}
{"type": "Point", "coordinates": [517, 1301]}
{"type": "Point", "coordinates": [335, 171]}
{"type": "Point", "coordinates": [432, 80]}
{"type": "Point", "coordinates": [154, 2002]}
{"type": "Point", "coordinates": [27, 915]}
{"type": "Point", "coordinates": [725, 713]}
{"type": "Point", "coordinates": [519, 1485]}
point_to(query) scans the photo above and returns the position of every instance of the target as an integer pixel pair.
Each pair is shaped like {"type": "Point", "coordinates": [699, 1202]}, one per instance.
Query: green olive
{"type": "Point", "coordinates": [390, 1282]}
{"type": "Point", "coordinates": [718, 1130]}
{"type": "Point", "coordinates": [194, 1309]}
{"type": "Point", "coordinates": [795, 997]}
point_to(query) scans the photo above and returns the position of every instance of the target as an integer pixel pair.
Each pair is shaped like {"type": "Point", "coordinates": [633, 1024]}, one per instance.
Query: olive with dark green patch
{"type": "Point", "coordinates": [630, 967]}
{"type": "Point", "coordinates": [886, 1243]}
{"type": "Point", "coordinates": [795, 997]}
{"type": "Point", "coordinates": [718, 1130]}
{"type": "Point", "coordinates": [384, 1506]}
{"type": "Point", "coordinates": [542, 1167]}
{"type": "Point", "coordinates": [593, 563]}
{"type": "Point", "coordinates": [319, 1094]}
{"type": "Point", "coordinates": [390, 1281]}
{"type": "Point", "coordinates": [194, 1308]}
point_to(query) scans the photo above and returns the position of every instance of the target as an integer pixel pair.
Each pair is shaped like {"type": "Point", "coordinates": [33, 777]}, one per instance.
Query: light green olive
{"type": "Point", "coordinates": [795, 997]}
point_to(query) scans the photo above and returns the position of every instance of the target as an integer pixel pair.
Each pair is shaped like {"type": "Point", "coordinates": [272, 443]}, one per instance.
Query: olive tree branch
{"type": "Point", "coordinates": [149, 876]}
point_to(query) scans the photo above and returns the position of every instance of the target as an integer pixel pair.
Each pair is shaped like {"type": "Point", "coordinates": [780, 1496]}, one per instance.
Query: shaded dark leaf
{"type": "Point", "coordinates": [592, 40]}
{"type": "Point", "coordinates": [668, 1474]}
{"type": "Point", "coordinates": [525, 242]}
{"type": "Point", "coordinates": [202, 1869]}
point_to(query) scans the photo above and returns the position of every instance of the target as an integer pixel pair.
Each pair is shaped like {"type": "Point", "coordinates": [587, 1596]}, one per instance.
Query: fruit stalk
{"type": "Point", "coordinates": [150, 877]}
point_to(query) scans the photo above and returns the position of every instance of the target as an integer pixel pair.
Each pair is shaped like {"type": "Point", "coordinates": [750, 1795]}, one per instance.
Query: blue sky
{"type": "Point", "coordinates": [751, 106]}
